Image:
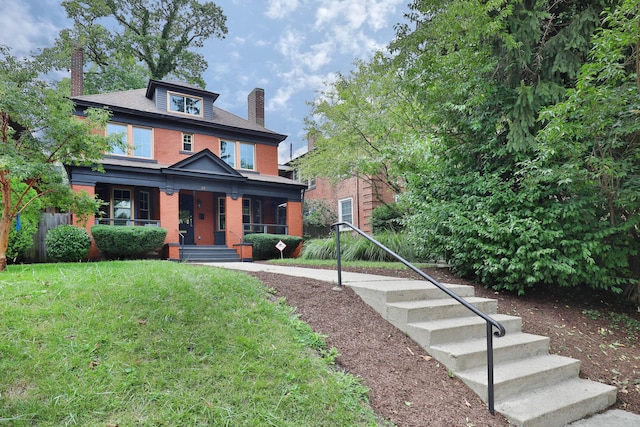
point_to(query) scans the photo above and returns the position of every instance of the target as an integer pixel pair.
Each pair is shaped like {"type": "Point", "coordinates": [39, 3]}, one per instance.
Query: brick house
{"type": "Point", "coordinates": [209, 177]}
{"type": "Point", "coordinates": [352, 199]}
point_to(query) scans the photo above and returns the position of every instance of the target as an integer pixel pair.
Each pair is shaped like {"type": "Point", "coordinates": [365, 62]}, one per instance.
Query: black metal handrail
{"type": "Point", "coordinates": [488, 319]}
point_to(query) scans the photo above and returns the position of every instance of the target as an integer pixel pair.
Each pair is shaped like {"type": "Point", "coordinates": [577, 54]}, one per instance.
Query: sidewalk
{"type": "Point", "coordinates": [610, 418]}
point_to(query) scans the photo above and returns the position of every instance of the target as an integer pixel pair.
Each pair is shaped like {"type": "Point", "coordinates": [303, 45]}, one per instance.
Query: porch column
{"type": "Point", "coordinates": [294, 218]}
{"type": "Point", "coordinates": [234, 231]}
{"type": "Point", "coordinates": [94, 253]}
{"type": "Point", "coordinates": [169, 217]}
{"type": "Point", "coordinates": [294, 223]}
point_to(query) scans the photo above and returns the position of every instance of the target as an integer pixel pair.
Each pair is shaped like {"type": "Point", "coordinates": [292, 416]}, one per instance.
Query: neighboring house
{"type": "Point", "coordinates": [207, 176]}
{"type": "Point", "coordinates": [353, 199]}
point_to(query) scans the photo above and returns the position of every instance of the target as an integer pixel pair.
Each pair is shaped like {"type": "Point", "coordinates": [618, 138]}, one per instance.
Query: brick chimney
{"type": "Point", "coordinates": [256, 106]}
{"type": "Point", "coordinates": [77, 71]}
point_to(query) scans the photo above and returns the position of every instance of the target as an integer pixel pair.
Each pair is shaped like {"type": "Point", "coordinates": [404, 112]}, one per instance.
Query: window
{"type": "Point", "coordinates": [187, 142]}
{"type": "Point", "coordinates": [139, 140]}
{"type": "Point", "coordinates": [345, 210]}
{"type": "Point", "coordinates": [222, 214]}
{"type": "Point", "coordinates": [113, 128]}
{"type": "Point", "coordinates": [185, 104]}
{"type": "Point", "coordinates": [246, 214]}
{"type": "Point", "coordinates": [143, 205]}
{"type": "Point", "coordinates": [121, 206]}
{"type": "Point", "coordinates": [247, 156]}
{"type": "Point", "coordinates": [230, 151]}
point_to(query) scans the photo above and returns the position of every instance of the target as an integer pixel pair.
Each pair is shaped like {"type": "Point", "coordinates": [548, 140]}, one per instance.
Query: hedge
{"type": "Point", "coordinates": [127, 241]}
{"type": "Point", "coordinates": [264, 245]}
{"type": "Point", "coordinates": [68, 243]}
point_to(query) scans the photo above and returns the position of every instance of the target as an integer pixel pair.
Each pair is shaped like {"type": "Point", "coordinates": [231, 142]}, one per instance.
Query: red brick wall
{"type": "Point", "coordinates": [365, 197]}
{"type": "Point", "coordinates": [267, 159]}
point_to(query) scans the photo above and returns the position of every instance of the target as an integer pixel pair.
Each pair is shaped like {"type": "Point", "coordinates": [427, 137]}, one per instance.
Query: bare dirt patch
{"type": "Point", "coordinates": [409, 388]}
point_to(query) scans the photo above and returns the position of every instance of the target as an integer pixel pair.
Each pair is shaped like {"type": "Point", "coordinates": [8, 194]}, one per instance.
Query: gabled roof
{"type": "Point", "coordinates": [204, 163]}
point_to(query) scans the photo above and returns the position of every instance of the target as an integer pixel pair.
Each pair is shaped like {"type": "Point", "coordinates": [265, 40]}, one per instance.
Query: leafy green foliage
{"type": "Point", "coordinates": [317, 217]}
{"type": "Point", "coordinates": [123, 242]}
{"type": "Point", "coordinates": [264, 245]}
{"type": "Point", "coordinates": [21, 241]}
{"type": "Point", "coordinates": [355, 123]}
{"type": "Point", "coordinates": [160, 36]}
{"type": "Point", "coordinates": [387, 217]}
{"type": "Point", "coordinates": [67, 243]}
{"type": "Point", "coordinates": [39, 133]}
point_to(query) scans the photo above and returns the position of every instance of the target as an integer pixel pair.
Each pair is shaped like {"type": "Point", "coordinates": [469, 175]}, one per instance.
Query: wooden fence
{"type": "Point", "coordinates": [46, 223]}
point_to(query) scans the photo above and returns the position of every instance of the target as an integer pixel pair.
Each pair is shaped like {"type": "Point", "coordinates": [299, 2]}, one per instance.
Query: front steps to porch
{"type": "Point", "coordinates": [208, 253]}
{"type": "Point", "coordinates": [532, 387]}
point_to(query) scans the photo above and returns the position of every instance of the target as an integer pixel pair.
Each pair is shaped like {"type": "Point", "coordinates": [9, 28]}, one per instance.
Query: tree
{"type": "Point", "coordinates": [357, 124]}
{"type": "Point", "coordinates": [39, 133]}
{"type": "Point", "coordinates": [158, 34]}
{"type": "Point", "coordinates": [591, 140]}
{"type": "Point", "coordinates": [483, 72]}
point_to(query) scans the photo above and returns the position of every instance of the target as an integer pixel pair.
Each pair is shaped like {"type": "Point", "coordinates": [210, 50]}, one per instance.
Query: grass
{"type": "Point", "coordinates": [150, 343]}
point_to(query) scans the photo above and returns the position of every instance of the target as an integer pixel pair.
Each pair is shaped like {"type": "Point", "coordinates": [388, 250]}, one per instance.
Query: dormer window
{"type": "Point", "coordinates": [179, 103]}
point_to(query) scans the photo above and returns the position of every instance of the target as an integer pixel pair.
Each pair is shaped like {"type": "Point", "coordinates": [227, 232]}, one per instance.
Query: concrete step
{"type": "Point", "coordinates": [455, 329]}
{"type": "Point", "coordinates": [466, 355]}
{"type": "Point", "coordinates": [517, 377]}
{"type": "Point", "coordinates": [208, 253]}
{"type": "Point", "coordinates": [400, 314]}
{"type": "Point", "coordinates": [558, 405]}
{"type": "Point", "coordinates": [378, 294]}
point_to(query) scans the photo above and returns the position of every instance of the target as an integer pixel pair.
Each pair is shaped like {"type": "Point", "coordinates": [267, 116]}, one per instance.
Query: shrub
{"type": "Point", "coordinates": [21, 241]}
{"type": "Point", "coordinates": [127, 241]}
{"type": "Point", "coordinates": [386, 218]}
{"type": "Point", "coordinates": [317, 218]}
{"type": "Point", "coordinates": [67, 243]}
{"type": "Point", "coordinates": [264, 245]}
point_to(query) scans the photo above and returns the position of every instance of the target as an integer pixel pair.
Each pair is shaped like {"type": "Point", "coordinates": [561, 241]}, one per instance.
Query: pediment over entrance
{"type": "Point", "coordinates": [204, 162]}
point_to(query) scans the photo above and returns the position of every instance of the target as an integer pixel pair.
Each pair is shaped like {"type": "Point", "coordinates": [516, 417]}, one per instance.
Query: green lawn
{"type": "Point", "coordinates": [153, 343]}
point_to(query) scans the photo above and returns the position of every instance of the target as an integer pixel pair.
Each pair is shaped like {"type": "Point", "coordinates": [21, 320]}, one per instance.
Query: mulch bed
{"type": "Point", "coordinates": [409, 388]}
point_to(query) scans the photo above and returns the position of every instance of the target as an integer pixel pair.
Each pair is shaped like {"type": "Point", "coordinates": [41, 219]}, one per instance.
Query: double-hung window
{"type": "Point", "coordinates": [345, 210]}
{"type": "Point", "coordinates": [179, 103]}
{"type": "Point", "coordinates": [122, 204]}
{"type": "Point", "coordinates": [187, 142]}
{"type": "Point", "coordinates": [240, 155]}
{"type": "Point", "coordinates": [138, 141]}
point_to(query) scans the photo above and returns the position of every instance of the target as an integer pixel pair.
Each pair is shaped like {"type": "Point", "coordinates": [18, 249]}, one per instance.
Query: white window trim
{"type": "Point", "coordinates": [340, 213]}
{"type": "Point", "coordinates": [184, 95]}
{"type": "Point", "coordinates": [192, 142]}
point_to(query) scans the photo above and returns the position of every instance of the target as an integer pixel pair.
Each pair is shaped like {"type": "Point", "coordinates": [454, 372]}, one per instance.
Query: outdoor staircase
{"type": "Point", "coordinates": [531, 386]}
{"type": "Point", "coordinates": [208, 253]}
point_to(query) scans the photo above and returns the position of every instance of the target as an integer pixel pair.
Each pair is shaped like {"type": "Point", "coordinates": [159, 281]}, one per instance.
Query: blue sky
{"type": "Point", "coordinates": [290, 48]}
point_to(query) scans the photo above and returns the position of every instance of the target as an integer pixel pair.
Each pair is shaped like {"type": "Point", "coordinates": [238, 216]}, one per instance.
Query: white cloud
{"type": "Point", "coordinates": [23, 31]}
{"type": "Point", "coordinates": [278, 9]}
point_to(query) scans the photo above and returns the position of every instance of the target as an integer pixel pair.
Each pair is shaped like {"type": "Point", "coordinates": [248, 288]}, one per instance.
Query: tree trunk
{"type": "Point", "coordinates": [5, 221]}
{"type": "Point", "coordinates": [5, 228]}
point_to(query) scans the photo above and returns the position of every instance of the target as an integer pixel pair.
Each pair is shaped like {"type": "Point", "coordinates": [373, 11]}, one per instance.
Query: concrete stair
{"type": "Point", "coordinates": [208, 253]}
{"type": "Point", "coordinates": [531, 387]}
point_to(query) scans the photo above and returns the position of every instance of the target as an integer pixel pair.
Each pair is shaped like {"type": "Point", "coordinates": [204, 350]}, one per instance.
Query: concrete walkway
{"type": "Point", "coordinates": [610, 418]}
